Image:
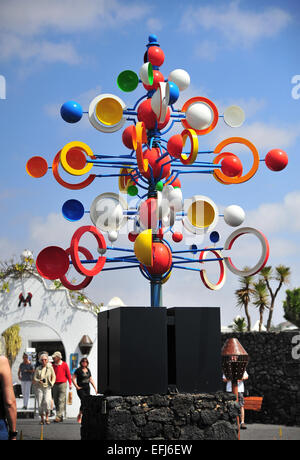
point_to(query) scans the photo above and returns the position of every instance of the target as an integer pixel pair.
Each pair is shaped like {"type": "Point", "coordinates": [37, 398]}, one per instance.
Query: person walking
{"type": "Point", "coordinates": [25, 374]}
{"type": "Point", "coordinates": [82, 378]}
{"type": "Point", "coordinates": [63, 375]}
{"type": "Point", "coordinates": [241, 390]}
{"type": "Point", "coordinates": [44, 378]}
{"type": "Point", "coordinates": [8, 405]}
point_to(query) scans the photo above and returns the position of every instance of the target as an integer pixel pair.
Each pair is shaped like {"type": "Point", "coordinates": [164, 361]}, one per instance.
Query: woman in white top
{"type": "Point", "coordinates": [44, 378]}
{"type": "Point", "coordinates": [241, 390]}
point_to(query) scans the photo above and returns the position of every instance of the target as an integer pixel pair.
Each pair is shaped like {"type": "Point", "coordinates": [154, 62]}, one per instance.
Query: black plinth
{"type": "Point", "coordinates": [132, 351]}
{"type": "Point", "coordinates": [148, 350]}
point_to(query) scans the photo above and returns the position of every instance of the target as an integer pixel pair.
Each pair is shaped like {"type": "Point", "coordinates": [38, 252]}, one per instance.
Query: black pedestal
{"type": "Point", "coordinates": [146, 350]}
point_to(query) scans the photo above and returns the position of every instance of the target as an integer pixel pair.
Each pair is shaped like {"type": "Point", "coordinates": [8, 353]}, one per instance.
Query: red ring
{"type": "Point", "coordinates": [86, 281]}
{"type": "Point", "coordinates": [203, 272]}
{"type": "Point", "coordinates": [56, 175]}
{"type": "Point", "coordinates": [74, 248]}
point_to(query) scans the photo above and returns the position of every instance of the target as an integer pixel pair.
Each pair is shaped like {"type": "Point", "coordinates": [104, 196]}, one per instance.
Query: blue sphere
{"type": "Point", "coordinates": [174, 92]}
{"type": "Point", "coordinates": [152, 38]}
{"type": "Point", "coordinates": [214, 237]}
{"type": "Point", "coordinates": [73, 210]}
{"type": "Point", "coordinates": [71, 111]}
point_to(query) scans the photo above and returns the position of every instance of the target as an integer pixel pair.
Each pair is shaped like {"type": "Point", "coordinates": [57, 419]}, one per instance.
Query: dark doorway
{"type": "Point", "coordinates": [50, 347]}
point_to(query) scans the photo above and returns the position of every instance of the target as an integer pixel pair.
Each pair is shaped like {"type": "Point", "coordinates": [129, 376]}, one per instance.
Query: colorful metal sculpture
{"type": "Point", "coordinates": [151, 172]}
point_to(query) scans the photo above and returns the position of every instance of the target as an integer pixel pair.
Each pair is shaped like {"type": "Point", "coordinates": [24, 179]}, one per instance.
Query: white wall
{"type": "Point", "coordinates": [52, 316]}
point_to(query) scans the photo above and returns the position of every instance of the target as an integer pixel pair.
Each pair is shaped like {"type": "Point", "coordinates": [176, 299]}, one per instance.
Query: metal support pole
{"type": "Point", "coordinates": [156, 293]}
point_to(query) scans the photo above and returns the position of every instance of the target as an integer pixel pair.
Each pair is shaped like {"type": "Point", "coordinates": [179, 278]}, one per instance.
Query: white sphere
{"type": "Point", "coordinates": [101, 251]}
{"type": "Point", "coordinates": [181, 78]}
{"type": "Point", "coordinates": [175, 199]}
{"type": "Point", "coordinates": [112, 236]}
{"type": "Point", "coordinates": [199, 115]}
{"type": "Point", "coordinates": [234, 215]}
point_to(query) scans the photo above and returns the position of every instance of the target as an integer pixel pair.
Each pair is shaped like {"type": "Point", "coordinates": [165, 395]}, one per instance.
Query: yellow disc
{"type": "Point", "coordinates": [63, 158]}
{"type": "Point", "coordinates": [201, 214]}
{"type": "Point", "coordinates": [143, 247]}
{"type": "Point", "coordinates": [109, 111]}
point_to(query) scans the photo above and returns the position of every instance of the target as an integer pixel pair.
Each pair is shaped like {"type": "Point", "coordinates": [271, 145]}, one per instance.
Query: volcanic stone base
{"type": "Point", "coordinates": [161, 417]}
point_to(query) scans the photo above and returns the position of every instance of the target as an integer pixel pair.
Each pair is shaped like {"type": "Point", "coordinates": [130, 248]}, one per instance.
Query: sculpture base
{"type": "Point", "coordinates": [161, 417]}
{"type": "Point", "coordinates": [149, 350]}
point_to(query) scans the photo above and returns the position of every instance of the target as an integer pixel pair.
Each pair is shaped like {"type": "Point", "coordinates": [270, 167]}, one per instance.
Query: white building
{"type": "Point", "coordinates": [56, 320]}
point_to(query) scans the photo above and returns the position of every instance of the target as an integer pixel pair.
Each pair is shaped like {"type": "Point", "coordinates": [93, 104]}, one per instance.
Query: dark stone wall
{"type": "Point", "coordinates": [274, 374]}
{"type": "Point", "coordinates": [160, 417]}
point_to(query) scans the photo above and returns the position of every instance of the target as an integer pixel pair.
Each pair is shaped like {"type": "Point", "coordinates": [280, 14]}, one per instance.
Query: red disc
{"type": "Point", "coordinates": [276, 160]}
{"type": "Point", "coordinates": [156, 55]}
{"type": "Point", "coordinates": [132, 236]}
{"type": "Point", "coordinates": [76, 158]}
{"type": "Point", "coordinates": [162, 259]}
{"type": "Point", "coordinates": [52, 262]}
{"type": "Point", "coordinates": [231, 166]}
{"type": "Point", "coordinates": [36, 167]}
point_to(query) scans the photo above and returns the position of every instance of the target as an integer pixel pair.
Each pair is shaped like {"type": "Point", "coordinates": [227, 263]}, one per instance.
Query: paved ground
{"type": "Point", "coordinates": [30, 429]}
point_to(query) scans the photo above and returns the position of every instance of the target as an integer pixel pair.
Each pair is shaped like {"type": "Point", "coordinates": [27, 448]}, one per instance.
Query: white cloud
{"type": "Point", "coordinates": [24, 26]}
{"type": "Point", "coordinates": [277, 217]}
{"type": "Point", "coordinates": [236, 25]}
{"type": "Point", "coordinates": [264, 136]}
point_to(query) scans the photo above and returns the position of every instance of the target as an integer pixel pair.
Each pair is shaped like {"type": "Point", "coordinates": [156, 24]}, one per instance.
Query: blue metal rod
{"type": "Point", "coordinates": [196, 250]}
{"type": "Point", "coordinates": [119, 268]}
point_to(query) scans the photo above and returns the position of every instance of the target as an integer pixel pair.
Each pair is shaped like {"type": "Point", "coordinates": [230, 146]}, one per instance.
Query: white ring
{"type": "Point", "coordinates": [263, 258]}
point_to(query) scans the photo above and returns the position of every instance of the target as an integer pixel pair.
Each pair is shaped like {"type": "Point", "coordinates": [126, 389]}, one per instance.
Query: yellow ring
{"type": "Point", "coordinates": [141, 138]}
{"type": "Point", "coordinates": [189, 159]}
{"type": "Point", "coordinates": [125, 181]}
{"type": "Point", "coordinates": [63, 158]}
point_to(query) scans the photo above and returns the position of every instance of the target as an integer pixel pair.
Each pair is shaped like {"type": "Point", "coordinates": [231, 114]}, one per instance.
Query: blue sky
{"type": "Point", "coordinates": [236, 52]}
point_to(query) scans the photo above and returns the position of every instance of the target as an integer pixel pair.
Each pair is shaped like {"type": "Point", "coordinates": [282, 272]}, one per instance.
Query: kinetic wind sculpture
{"type": "Point", "coordinates": [151, 172]}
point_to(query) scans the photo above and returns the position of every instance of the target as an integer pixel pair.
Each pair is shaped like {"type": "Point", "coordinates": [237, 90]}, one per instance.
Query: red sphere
{"type": "Point", "coordinates": [157, 77]}
{"type": "Point", "coordinates": [175, 145]}
{"type": "Point", "coordinates": [132, 236]}
{"type": "Point", "coordinates": [156, 55]}
{"type": "Point", "coordinates": [177, 237]}
{"type": "Point", "coordinates": [146, 114]}
{"type": "Point", "coordinates": [153, 155]}
{"type": "Point", "coordinates": [148, 213]}
{"type": "Point", "coordinates": [162, 259]}
{"type": "Point", "coordinates": [128, 135]}
{"type": "Point", "coordinates": [276, 160]}
{"type": "Point", "coordinates": [231, 166]}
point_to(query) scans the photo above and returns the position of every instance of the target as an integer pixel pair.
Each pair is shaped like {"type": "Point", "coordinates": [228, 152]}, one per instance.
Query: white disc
{"type": "Point", "coordinates": [234, 116]}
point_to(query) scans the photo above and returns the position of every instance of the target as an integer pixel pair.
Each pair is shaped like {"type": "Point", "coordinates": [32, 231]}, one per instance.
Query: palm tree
{"type": "Point", "coordinates": [243, 296]}
{"type": "Point", "coordinates": [261, 299]}
{"type": "Point", "coordinates": [239, 324]}
{"type": "Point", "coordinates": [282, 275]}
